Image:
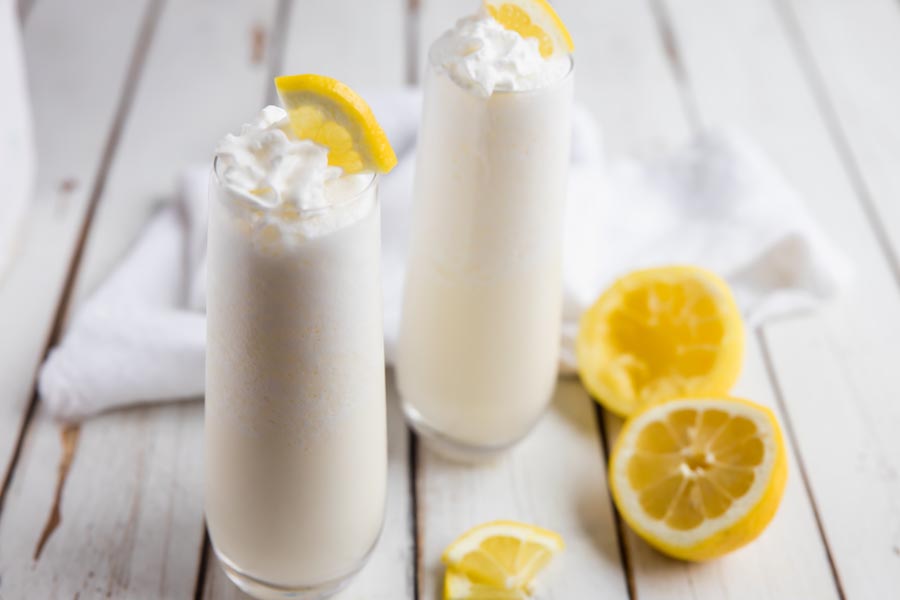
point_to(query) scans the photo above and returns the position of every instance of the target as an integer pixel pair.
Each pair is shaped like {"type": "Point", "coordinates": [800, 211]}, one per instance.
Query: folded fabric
{"type": "Point", "coordinates": [716, 203]}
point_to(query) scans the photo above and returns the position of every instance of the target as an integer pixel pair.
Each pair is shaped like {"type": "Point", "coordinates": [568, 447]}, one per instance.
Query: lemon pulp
{"type": "Point", "coordinates": [328, 112]}
{"type": "Point", "coordinates": [657, 334]}
{"type": "Point", "coordinates": [699, 477]}
{"type": "Point", "coordinates": [502, 554]}
{"type": "Point", "coordinates": [533, 19]}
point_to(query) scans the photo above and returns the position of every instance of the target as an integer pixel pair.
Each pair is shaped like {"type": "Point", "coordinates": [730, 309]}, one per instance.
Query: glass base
{"type": "Point", "coordinates": [264, 590]}
{"type": "Point", "coordinates": [451, 448]}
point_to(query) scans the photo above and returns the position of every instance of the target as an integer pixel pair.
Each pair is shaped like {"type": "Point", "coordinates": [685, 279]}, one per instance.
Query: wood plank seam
{"type": "Point", "coordinates": [24, 8]}
{"type": "Point", "coordinates": [277, 47]}
{"type": "Point", "coordinates": [141, 48]}
{"type": "Point", "coordinates": [202, 564]}
{"type": "Point", "coordinates": [815, 80]}
{"type": "Point", "coordinates": [624, 555]}
{"type": "Point", "coordinates": [412, 42]}
{"type": "Point", "coordinates": [682, 84]}
{"type": "Point", "coordinates": [415, 532]}
{"type": "Point", "coordinates": [411, 51]}
{"type": "Point", "coordinates": [675, 61]}
{"type": "Point", "coordinates": [798, 458]}
{"type": "Point", "coordinates": [691, 109]}
{"type": "Point", "coordinates": [69, 438]}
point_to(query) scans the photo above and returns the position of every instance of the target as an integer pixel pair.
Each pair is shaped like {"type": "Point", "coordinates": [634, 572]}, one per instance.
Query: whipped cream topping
{"type": "Point", "coordinates": [282, 184]}
{"type": "Point", "coordinates": [482, 56]}
{"type": "Point", "coordinates": [266, 161]}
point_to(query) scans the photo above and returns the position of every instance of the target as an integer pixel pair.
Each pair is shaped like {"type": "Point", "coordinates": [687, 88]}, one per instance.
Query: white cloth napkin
{"type": "Point", "coordinates": [715, 203]}
{"type": "Point", "coordinates": [17, 159]}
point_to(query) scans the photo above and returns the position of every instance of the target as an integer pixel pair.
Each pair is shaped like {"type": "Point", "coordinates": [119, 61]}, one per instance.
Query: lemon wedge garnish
{"type": "Point", "coordinates": [697, 478]}
{"type": "Point", "coordinates": [459, 587]}
{"type": "Point", "coordinates": [658, 334]}
{"type": "Point", "coordinates": [504, 555]}
{"type": "Point", "coordinates": [533, 19]}
{"type": "Point", "coordinates": [328, 112]}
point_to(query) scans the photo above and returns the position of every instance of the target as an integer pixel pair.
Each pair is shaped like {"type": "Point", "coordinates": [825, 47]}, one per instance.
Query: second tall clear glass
{"type": "Point", "coordinates": [479, 339]}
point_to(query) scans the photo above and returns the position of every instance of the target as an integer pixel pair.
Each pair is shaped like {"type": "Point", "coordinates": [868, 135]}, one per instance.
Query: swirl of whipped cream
{"type": "Point", "coordinates": [482, 56]}
{"type": "Point", "coordinates": [267, 162]}
{"type": "Point", "coordinates": [279, 184]}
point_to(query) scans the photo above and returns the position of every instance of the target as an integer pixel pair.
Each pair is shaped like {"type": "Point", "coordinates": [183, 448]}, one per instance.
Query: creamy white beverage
{"type": "Point", "coordinates": [295, 403]}
{"type": "Point", "coordinates": [479, 338]}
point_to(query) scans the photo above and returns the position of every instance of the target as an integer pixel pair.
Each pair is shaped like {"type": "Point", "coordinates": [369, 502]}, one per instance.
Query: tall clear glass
{"type": "Point", "coordinates": [296, 450]}
{"type": "Point", "coordinates": [479, 338]}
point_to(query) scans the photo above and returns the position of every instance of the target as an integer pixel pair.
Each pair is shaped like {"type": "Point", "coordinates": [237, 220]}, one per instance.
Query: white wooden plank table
{"type": "Point", "coordinates": [127, 93]}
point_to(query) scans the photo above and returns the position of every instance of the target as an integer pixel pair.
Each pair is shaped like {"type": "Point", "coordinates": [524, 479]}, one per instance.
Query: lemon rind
{"type": "Point", "coordinates": [344, 102]}
{"type": "Point", "coordinates": [472, 539]}
{"type": "Point", "coordinates": [719, 380]}
{"type": "Point", "coordinates": [559, 32]}
{"type": "Point", "coordinates": [742, 522]}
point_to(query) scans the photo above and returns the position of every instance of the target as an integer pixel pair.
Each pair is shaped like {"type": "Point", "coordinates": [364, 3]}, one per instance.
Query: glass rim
{"type": "Point", "coordinates": [303, 212]}
{"type": "Point", "coordinates": [551, 86]}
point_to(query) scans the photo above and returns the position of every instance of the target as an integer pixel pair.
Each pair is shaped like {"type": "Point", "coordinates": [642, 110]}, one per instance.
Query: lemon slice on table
{"type": "Point", "coordinates": [697, 478]}
{"type": "Point", "coordinates": [459, 587]}
{"type": "Point", "coordinates": [328, 112]}
{"type": "Point", "coordinates": [658, 334]}
{"type": "Point", "coordinates": [505, 555]}
{"type": "Point", "coordinates": [533, 19]}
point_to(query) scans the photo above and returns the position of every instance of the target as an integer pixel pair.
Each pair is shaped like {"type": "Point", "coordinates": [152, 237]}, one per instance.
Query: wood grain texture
{"type": "Point", "coordinates": [131, 508]}
{"type": "Point", "coordinates": [554, 478]}
{"type": "Point", "coordinates": [434, 18]}
{"type": "Point", "coordinates": [637, 91]}
{"type": "Point", "coordinates": [360, 43]}
{"type": "Point", "coordinates": [185, 102]}
{"type": "Point", "coordinates": [851, 52]}
{"type": "Point", "coordinates": [129, 512]}
{"type": "Point", "coordinates": [313, 45]}
{"type": "Point", "coordinates": [114, 510]}
{"type": "Point", "coordinates": [836, 369]}
{"type": "Point", "coordinates": [624, 76]}
{"type": "Point", "coordinates": [70, 152]}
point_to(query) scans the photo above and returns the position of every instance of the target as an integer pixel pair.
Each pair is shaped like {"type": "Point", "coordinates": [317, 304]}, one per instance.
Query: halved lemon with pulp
{"type": "Point", "coordinates": [697, 478]}
{"type": "Point", "coordinates": [502, 554]}
{"type": "Point", "coordinates": [658, 334]}
{"type": "Point", "coordinates": [328, 112]}
{"type": "Point", "coordinates": [533, 19]}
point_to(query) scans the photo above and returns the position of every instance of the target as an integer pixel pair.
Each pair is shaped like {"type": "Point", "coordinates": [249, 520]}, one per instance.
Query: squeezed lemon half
{"type": "Point", "coordinates": [657, 334]}
{"type": "Point", "coordinates": [699, 477]}
{"type": "Point", "coordinates": [328, 112]}
{"type": "Point", "coordinates": [533, 19]}
{"type": "Point", "coordinates": [498, 560]}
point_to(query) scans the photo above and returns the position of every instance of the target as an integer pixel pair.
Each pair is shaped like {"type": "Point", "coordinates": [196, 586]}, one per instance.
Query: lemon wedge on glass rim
{"type": "Point", "coordinates": [657, 334]}
{"type": "Point", "coordinates": [503, 556]}
{"type": "Point", "coordinates": [533, 19]}
{"type": "Point", "coordinates": [699, 477]}
{"type": "Point", "coordinates": [329, 113]}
